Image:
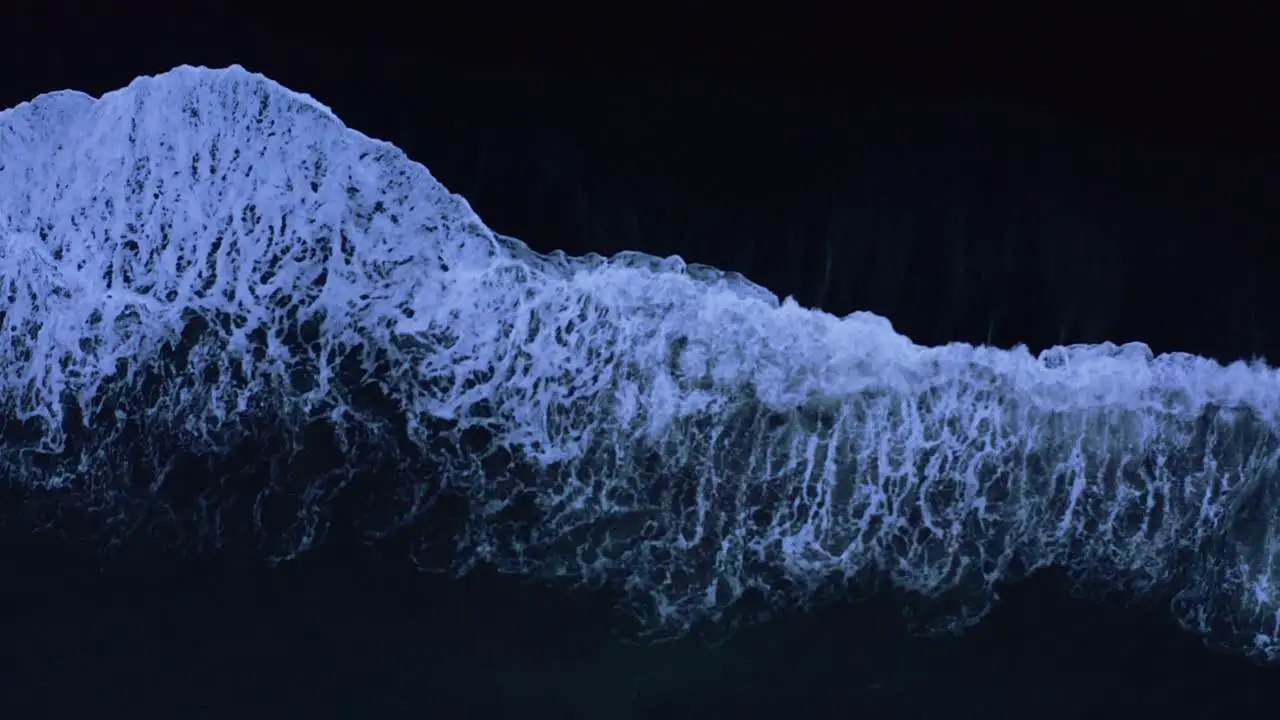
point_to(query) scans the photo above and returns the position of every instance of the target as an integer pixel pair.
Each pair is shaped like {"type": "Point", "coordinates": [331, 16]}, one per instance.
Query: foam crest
{"type": "Point", "coordinates": [205, 257]}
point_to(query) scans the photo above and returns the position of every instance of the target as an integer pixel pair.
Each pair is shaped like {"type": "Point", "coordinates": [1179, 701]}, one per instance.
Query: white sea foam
{"type": "Point", "coordinates": [676, 431]}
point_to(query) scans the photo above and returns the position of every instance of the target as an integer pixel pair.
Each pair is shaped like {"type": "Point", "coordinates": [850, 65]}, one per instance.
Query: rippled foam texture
{"type": "Point", "coordinates": [220, 309]}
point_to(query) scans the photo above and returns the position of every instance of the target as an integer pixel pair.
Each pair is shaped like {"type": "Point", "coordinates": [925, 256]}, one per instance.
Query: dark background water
{"type": "Point", "coordinates": [1066, 179]}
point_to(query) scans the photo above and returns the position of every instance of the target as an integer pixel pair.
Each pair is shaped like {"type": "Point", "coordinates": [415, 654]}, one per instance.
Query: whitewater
{"type": "Point", "coordinates": [204, 259]}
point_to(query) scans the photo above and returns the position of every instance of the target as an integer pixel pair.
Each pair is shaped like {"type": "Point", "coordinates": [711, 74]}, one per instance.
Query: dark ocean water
{"type": "Point", "coordinates": [360, 636]}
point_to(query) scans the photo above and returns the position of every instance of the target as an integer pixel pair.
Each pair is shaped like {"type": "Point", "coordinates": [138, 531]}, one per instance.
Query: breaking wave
{"type": "Point", "coordinates": [223, 315]}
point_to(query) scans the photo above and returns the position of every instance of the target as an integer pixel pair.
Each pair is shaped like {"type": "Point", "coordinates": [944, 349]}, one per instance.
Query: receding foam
{"type": "Point", "coordinates": [207, 253]}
